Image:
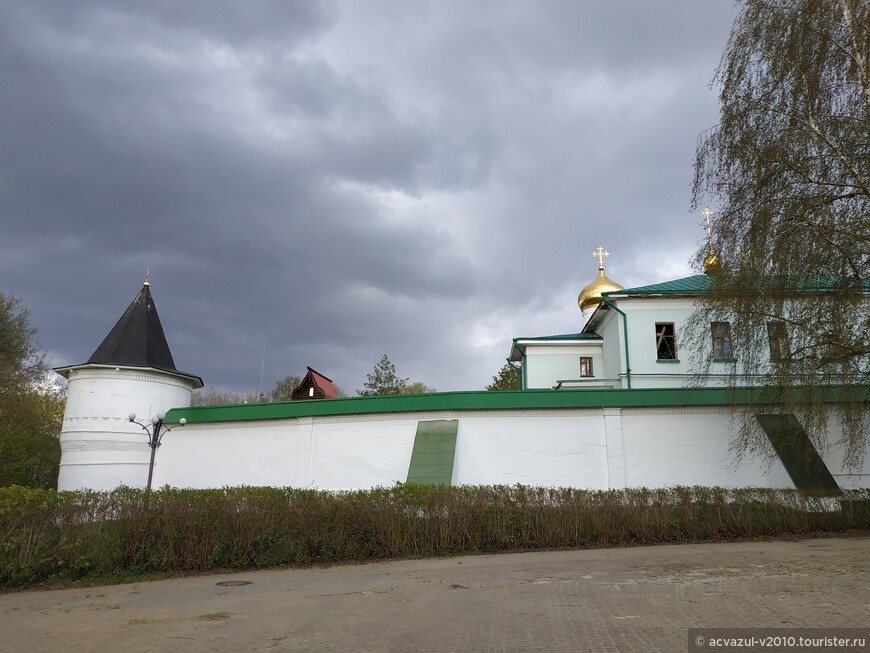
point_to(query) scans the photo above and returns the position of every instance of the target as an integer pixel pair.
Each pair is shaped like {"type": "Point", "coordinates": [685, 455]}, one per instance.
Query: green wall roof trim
{"type": "Point", "coordinates": [476, 400]}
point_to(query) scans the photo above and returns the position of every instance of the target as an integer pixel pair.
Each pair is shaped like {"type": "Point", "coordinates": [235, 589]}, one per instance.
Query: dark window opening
{"type": "Point", "coordinates": [586, 366]}
{"type": "Point", "coordinates": [666, 344]}
{"type": "Point", "coordinates": [777, 338]}
{"type": "Point", "coordinates": [721, 332]}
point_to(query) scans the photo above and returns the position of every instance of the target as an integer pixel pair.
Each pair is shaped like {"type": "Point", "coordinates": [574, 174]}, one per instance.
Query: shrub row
{"type": "Point", "coordinates": [49, 535]}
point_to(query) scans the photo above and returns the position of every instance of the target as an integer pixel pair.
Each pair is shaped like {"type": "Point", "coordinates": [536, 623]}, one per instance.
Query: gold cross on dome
{"type": "Point", "coordinates": [600, 254]}
{"type": "Point", "coordinates": [147, 274]}
{"type": "Point", "coordinates": [707, 213]}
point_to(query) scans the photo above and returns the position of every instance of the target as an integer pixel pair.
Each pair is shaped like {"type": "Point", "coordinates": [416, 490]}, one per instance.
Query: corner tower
{"type": "Point", "coordinates": [132, 371]}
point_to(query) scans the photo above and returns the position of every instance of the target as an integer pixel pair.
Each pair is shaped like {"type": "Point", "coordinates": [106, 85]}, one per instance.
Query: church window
{"type": "Point", "coordinates": [777, 338]}
{"type": "Point", "coordinates": [721, 340]}
{"type": "Point", "coordinates": [586, 366]}
{"type": "Point", "coordinates": [666, 344]}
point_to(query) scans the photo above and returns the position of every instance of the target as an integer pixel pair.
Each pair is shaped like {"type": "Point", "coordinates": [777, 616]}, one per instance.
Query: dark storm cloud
{"type": "Point", "coordinates": [340, 180]}
{"type": "Point", "coordinates": [251, 22]}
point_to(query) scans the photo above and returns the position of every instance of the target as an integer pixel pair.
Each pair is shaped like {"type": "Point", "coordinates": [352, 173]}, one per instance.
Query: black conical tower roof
{"type": "Point", "coordinates": [137, 339]}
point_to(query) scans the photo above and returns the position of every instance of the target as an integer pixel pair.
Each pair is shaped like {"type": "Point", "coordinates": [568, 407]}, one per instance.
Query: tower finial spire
{"type": "Point", "coordinates": [600, 254]}
{"type": "Point", "coordinates": [147, 274]}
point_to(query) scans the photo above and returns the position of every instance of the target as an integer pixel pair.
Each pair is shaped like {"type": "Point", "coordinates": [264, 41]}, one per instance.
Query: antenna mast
{"type": "Point", "coordinates": [262, 370]}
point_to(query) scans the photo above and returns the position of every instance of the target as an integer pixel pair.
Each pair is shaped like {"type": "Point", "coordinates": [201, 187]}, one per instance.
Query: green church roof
{"type": "Point", "coordinates": [693, 285]}
{"type": "Point", "coordinates": [701, 283]}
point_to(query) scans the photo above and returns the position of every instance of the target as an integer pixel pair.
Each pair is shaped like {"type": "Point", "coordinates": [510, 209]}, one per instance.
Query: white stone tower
{"type": "Point", "coordinates": [132, 371]}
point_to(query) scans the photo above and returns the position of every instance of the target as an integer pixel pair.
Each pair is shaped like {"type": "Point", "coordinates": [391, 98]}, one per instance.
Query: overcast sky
{"type": "Point", "coordinates": [345, 179]}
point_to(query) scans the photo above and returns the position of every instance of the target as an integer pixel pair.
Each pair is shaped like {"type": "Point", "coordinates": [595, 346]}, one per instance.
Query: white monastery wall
{"type": "Point", "coordinates": [590, 448]}
{"type": "Point", "coordinates": [690, 446]}
{"type": "Point", "coordinates": [835, 454]}
{"type": "Point", "coordinates": [546, 448]}
{"type": "Point", "coordinates": [263, 453]}
{"type": "Point", "coordinates": [358, 452]}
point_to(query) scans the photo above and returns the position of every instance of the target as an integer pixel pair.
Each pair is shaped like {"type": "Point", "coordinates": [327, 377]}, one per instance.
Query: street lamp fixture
{"type": "Point", "coordinates": [156, 429]}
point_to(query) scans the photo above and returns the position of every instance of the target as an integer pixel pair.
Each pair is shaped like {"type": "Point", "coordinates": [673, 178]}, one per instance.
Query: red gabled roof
{"type": "Point", "coordinates": [323, 383]}
{"type": "Point", "coordinates": [316, 379]}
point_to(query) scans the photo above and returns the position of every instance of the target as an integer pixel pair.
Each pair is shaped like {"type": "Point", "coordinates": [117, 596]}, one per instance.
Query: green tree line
{"type": "Point", "coordinates": [31, 405]}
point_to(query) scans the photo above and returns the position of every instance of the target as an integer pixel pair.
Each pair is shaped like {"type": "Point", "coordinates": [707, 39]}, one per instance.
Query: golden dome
{"type": "Point", "coordinates": [711, 263]}
{"type": "Point", "coordinates": [591, 294]}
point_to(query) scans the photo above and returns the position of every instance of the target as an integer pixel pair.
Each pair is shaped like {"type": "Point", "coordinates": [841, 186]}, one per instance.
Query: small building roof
{"type": "Point", "coordinates": [316, 380]}
{"type": "Point", "coordinates": [564, 336]}
{"type": "Point", "coordinates": [518, 346]}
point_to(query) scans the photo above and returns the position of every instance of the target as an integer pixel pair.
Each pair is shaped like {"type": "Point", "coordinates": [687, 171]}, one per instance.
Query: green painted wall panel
{"type": "Point", "coordinates": [434, 452]}
{"type": "Point", "coordinates": [797, 453]}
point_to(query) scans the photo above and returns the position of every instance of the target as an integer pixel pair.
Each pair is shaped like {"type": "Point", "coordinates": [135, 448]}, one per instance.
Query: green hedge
{"type": "Point", "coordinates": [58, 536]}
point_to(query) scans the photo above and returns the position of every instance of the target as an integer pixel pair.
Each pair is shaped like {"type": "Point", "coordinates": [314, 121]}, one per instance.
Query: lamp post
{"type": "Point", "coordinates": [155, 430]}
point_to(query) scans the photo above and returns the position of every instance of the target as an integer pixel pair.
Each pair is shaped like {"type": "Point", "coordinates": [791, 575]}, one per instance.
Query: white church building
{"type": "Point", "coordinates": [629, 339]}
{"type": "Point", "coordinates": [610, 406]}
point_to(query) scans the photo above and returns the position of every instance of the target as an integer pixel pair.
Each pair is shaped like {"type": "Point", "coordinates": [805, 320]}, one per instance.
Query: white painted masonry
{"type": "Point", "coordinates": [100, 448]}
{"type": "Point", "coordinates": [594, 448]}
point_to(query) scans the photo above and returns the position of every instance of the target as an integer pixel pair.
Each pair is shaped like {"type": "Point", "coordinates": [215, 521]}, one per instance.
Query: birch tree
{"type": "Point", "coordinates": [788, 171]}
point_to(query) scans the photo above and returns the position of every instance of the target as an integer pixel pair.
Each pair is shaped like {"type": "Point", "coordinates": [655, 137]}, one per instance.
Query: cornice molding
{"type": "Point", "coordinates": [148, 375]}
